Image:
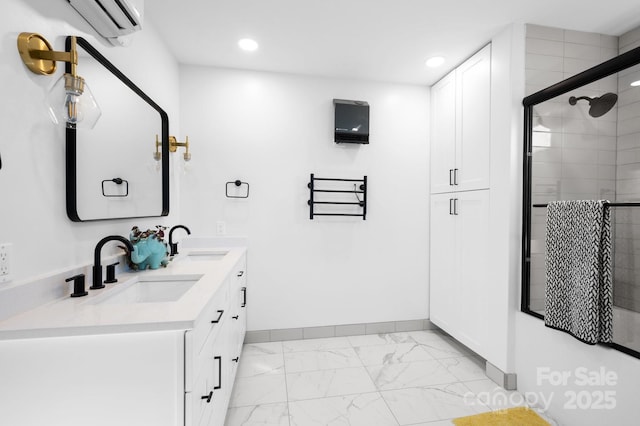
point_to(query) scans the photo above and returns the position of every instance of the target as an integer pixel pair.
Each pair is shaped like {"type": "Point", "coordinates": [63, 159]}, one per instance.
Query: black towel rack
{"type": "Point", "coordinates": [607, 204]}
{"type": "Point", "coordinates": [357, 189]}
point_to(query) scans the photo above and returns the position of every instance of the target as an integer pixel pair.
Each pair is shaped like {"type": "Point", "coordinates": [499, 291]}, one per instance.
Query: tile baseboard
{"type": "Point", "coordinates": [279, 335]}
{"type": "Point", "coordinates": [507, 380]}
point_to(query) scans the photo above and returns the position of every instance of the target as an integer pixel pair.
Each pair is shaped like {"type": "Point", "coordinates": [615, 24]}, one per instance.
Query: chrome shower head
{"type": "Point", "coordinates": [598, 106]}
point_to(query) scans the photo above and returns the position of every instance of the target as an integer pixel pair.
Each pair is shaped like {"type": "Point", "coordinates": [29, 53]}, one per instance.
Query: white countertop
{"type": "Point", "coordinates": [81, 316]}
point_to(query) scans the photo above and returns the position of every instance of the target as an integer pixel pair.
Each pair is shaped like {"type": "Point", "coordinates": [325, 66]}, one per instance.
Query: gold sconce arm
{"type": "Point", "coordinates": [173, 147]}
{"type": "Point", "coordinates": [157, 155]}
{"type": "Point", "coordinates": [38, 55]}
{"type": "Point", "coordinates": [174, 144]}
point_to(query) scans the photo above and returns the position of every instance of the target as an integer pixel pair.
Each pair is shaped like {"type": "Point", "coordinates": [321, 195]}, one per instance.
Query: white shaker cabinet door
{"type": "Point", "coordinates": [472, 248]}
{"type": "Point", "coordinates": [459, 257]}
{"type": "Point", "coordinates": [473, 122]}
{"type": "Point", "coordinates": [443, 280]}
{"type": "Point", "coordinates": [443, 134]}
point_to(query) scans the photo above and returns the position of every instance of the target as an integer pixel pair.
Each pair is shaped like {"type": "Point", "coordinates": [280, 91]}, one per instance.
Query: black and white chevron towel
{"type": "Point", "coordinates": [579, 288]}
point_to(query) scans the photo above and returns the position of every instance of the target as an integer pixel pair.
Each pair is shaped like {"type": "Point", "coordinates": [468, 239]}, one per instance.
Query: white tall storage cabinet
{"type": "Point", "coordinates": [461, 119]}
{"type": "Point", "coordinates": [460, 148]}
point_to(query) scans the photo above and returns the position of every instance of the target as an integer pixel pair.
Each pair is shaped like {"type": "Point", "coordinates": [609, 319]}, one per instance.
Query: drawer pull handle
{"type": "Point", "coordinates": [236, 359]}
{"type": "Point", "coordinates": [236, 317]}
{"type": "Point", "coordinates": [207, 397]}
{"type": "Point", "coordinates": [244, 297]}
{"type": "Point", "coordinates": [219, 358]}
{"type": "Point", "coordinates": [241, 273]}
{"type": "Point", "coordinates": [219, 317]}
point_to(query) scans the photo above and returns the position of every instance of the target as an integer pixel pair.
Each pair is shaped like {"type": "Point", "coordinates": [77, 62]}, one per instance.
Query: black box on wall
{"type": "Point", "coordinates": [351, 121]}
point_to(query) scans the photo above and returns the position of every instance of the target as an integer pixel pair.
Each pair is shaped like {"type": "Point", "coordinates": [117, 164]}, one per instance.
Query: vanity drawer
{"type": "Point", "coordinates": [212, 317]}
{"type": "Point", "coordinates": [240, 271]}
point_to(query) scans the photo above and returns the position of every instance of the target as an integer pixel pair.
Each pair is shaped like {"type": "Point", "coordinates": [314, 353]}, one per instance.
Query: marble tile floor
{"type": "Point", "coordinates": [417, 378]}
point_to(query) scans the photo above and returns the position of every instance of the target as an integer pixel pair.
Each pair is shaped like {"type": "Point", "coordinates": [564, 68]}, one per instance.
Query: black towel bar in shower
{"type": "Point", "coordinates": [621, 204]}
{"type": "Point", "coordinates": [357, 189]}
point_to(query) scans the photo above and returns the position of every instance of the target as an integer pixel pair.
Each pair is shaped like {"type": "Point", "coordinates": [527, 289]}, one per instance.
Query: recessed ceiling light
{"type": "Point", "coordinates": [248, 44]}
{"type": "Point", "coordinates": [635, 83]}
{"type": "Point", "coordinates": [434, 62]}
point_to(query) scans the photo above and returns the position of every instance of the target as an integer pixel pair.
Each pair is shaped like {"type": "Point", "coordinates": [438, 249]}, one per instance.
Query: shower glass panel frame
{"type": "Point", "coordinates": [532, 125]}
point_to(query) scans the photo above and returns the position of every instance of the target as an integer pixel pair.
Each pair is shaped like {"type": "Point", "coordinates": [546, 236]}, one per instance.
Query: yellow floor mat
{"type": "Point", "coordinates": [518, 416]}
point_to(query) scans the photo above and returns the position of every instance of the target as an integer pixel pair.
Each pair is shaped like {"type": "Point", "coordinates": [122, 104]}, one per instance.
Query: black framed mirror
{"type": "Point", "coordinates": [581, 140]}
{"type": "Point", "coordinates": [111, 172]}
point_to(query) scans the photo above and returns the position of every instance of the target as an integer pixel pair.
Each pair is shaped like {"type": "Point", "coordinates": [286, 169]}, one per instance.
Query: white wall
{"type": "Point", "coordinates": [32, 179]}
{"type": "Point", "coordinates": [273, 130]}
{"type": "Point", "coordinates": [539, 347]}
{"type": "Point", "coordinates": [507, 88]}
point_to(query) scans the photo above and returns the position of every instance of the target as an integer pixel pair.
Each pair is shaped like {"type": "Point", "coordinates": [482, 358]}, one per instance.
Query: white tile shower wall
{"type": "Point", "coordinates": [574, 154]}
{"type": "Point", "coordinates": [627, 221]}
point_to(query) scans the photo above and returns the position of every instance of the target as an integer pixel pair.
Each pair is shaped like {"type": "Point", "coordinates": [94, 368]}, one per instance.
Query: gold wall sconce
{"type": "Point", "coordinates": [173, 147]}
{"type": "Point", "coordinates": [70, 100]}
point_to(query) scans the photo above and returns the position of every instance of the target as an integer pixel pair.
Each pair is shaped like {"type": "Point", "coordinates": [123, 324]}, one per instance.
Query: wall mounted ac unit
{"type": "Point", "coordinates": [112, 19]}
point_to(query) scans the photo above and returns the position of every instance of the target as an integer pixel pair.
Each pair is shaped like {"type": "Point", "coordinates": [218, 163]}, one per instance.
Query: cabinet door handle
{"type": "Point", "coordinates": [455, 207]}
{"type": "Point", "coordinates": [455, 176]}
{"type": "Point", "coordinates": [452, 206]}
{"type": "Point", "coordinates": [450, 177]}
{"type": "Point", "coordinates": [236, 359]}
{"type": "Point", "coordinates": [236, 317]}
{"type": "Point", "coordinates": [241, 273]}
{"type": "Point", "coordinates": [215, 321]}
{"type": "Point", "coordinates": [219, 358]}
{"type": "Point", "coordinates": [244, 297]}
{"type": "Point", "coordinates": [207, 397]}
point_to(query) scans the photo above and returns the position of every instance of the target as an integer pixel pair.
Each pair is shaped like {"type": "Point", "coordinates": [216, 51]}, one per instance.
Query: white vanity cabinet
{"type": "Point", "coordinates": [460, 126]}
{"type": "Point", "coordinates": [159, 365]}
{"type": "Point", "coordinates": [214, 347]}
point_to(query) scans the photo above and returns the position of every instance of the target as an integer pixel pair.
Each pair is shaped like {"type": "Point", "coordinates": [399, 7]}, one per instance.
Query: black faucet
{"type": "Point", "coordinates": [97, 266]}
{"type": "Point", "coordinates": [172, 245]}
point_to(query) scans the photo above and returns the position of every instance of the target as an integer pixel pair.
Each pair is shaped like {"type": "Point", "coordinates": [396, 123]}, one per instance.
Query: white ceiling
{"type": "Point", "coordinates": [380, 40]}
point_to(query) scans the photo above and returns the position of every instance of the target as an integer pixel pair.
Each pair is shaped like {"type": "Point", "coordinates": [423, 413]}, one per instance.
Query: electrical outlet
{"type": "Point", "coordinates": [5, 262]}
{"type": "Point", "coordinates": [221, 227]}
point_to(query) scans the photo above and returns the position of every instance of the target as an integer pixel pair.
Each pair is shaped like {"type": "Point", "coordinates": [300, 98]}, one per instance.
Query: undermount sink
{"type": "Point", "coordinates": [152, 289]}
{"type": "Point", "coordinates": [204, 256]}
